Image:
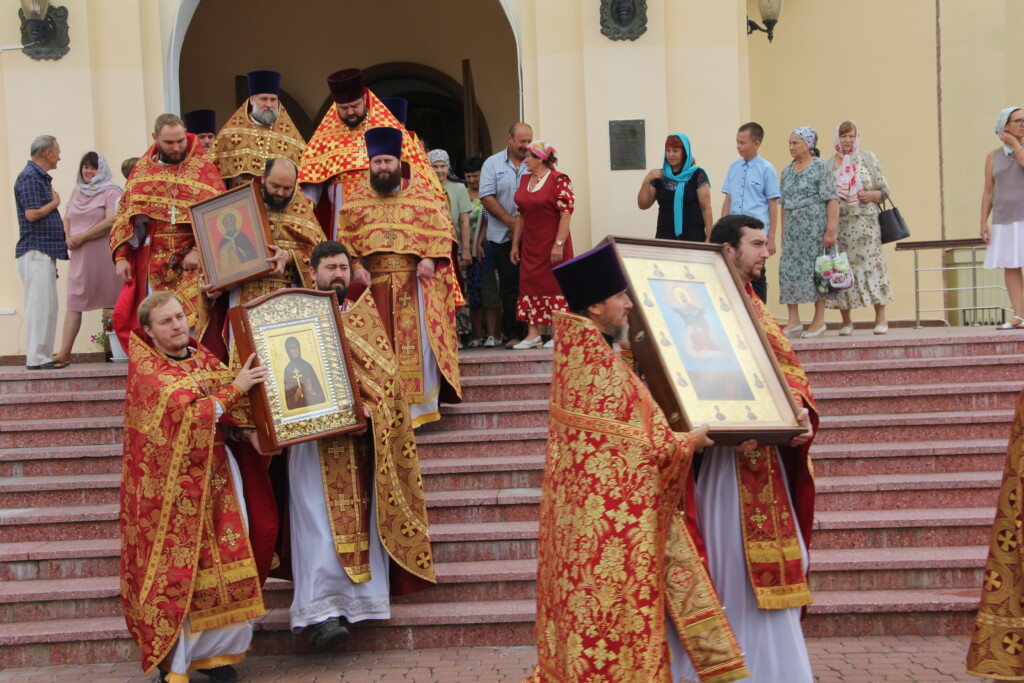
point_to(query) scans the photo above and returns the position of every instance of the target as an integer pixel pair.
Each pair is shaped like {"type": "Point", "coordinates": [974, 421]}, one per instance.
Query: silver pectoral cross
{"type": "Point", "coordinates": [174, 214]}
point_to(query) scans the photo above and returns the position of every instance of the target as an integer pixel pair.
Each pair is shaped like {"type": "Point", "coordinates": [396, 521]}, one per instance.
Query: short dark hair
{"type": "Point", "coordinates": [753, 129]}
{"type": "Point", "coordinates": [90, 159]}
{"type": "Point", "coordinates": [269, 165]}
{"type": "Point", "coordinates": [326, 250]}
{"type": "Point", "coordinates": [729, 229]}
{"type": "Point", "coordinates": [472, 164]}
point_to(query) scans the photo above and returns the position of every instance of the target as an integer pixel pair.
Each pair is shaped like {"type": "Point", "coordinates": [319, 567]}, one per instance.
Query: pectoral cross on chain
{"type": "Point", "coordinates": [174, 214]}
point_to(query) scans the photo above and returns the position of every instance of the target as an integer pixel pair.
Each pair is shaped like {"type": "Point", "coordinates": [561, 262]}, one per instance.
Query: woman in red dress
{"type": "Point", "coordinates": [541, 240]}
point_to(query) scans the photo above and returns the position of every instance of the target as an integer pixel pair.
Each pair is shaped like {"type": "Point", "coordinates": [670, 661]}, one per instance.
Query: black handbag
{"type": "Point", "coordinates": [891, 223]}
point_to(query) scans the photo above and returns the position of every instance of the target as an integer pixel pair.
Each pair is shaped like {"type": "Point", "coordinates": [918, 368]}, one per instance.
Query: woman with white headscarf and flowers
{"type": "Point", "coordinates": [810, 218]}
{"type": "Point", "coordinates": [861, 187]}
{"type": "Point", "coordinates": [92, 281]}
{"type": "Point", "coordinates": [1003, 198]}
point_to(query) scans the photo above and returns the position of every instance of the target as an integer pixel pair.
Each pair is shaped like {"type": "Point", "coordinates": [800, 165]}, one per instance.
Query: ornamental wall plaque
{"type": "Point", "coordinates": [623, 19]}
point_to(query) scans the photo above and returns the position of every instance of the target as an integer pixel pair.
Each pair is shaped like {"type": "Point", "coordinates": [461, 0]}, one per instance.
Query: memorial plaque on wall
{"type": "Point", "coordinates": [626, 141]}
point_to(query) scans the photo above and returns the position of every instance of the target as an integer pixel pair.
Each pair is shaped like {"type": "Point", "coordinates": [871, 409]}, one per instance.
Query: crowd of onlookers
{"type": "Point", "coordinates": [512, 215]}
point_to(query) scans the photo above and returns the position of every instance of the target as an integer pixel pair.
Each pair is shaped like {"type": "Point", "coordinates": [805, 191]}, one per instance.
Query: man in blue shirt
{"type": "Point", "coordinates": [499, 180]}
{"type": "Point", "coordinates": [42, 243]}
{"type": "Point", "coordinates": [752, 188]}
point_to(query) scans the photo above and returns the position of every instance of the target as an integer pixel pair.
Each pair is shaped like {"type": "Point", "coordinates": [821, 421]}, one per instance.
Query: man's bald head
{"type": "Point", "coordinates": [279, 179]}
{"type": "Point", "coordinates": [520, 135]}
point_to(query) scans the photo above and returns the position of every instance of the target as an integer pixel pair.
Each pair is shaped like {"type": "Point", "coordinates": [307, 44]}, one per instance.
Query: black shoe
{"type": "Point", "coordinates": [221, 674]}
{"type": "Point", "coordinates": [161, 676]}
{"type": "Point", "coordinates": [326, 634]}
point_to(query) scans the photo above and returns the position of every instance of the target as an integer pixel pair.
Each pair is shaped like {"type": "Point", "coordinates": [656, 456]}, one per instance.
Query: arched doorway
{"type": "Point", "coordinates": [420, 58]}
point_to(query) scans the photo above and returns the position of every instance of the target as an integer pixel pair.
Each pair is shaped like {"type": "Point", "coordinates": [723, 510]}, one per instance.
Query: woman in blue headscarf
{"type": "Point", "coordinates": [682, 191]}
{"type": "Point", "coordinates": [1003, 198]}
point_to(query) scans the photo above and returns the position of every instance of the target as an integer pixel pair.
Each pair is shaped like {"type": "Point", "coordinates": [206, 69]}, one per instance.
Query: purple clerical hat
{"type": "Point", "coordinates": [264, 82]}
{"type": "Point", "coordinates": [200, 121]}
{"type": "Point", "coordinates": [383, 140]}
{"type": "Point", "coordinates": [346, 85]}
{"type": "Point", "coordinates": [399, 106]}
{"type": "Point", "coordinates": [591, 277]}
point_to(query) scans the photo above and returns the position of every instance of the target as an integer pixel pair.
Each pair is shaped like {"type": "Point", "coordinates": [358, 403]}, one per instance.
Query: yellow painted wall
{"type": "Point", "coordinates": [895, 67]}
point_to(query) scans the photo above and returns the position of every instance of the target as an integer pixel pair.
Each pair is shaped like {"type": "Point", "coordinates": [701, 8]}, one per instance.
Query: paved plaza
{"type": "Point", "coordinates": [914, 659]}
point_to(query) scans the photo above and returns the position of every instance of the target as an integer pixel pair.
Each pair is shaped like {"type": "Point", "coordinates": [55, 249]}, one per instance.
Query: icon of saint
{"type": "Point", "coordinates": [302, 388]}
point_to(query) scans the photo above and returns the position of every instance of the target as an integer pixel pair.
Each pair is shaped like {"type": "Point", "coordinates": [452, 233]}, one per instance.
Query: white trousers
{"type": "Point", "coordinates": [771, 639]}
{"type": "Point", "coordinates": [228, 640]}
{"type": "Point", "coordinates": [38, 273]}
{"type": "Point", "coordinates": [322, 588]}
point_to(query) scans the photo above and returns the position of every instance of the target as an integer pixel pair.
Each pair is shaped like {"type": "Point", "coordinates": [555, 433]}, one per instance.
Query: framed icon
{"type": "Point", "coordinates": [310, 391]}
{"type": "Point", "coordinates": [699, 343]}
{"type": "Point", "coordinates": [232, 233]}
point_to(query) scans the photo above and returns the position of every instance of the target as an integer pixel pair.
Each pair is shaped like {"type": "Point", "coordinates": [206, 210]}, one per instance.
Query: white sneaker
{"type": "Point", "coordinates": [529, 344]}
{"type": "Point", "coordinates": [550, 343]}
{"type": "Point", "coordinates": [490, 343]}
{"type": "Point", "coordinates": [475, 344]}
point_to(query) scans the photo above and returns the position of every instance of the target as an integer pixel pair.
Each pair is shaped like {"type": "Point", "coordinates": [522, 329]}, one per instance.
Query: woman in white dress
{"type": "Point", "coordinates": [1003, 197]}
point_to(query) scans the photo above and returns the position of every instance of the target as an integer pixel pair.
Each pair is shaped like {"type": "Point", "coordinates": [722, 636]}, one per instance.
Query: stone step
{"type": "Point", "coordinates": [78, 431]}
{"type": "Point", "coordinates": [61, 405]}
{"type": "Point", "coordinates": [974, 455]}
{"type": "Point", "coordinates": [483, 505]}
{"type": "Point", "coordinates": [84, 379]}
{"type": "Point", "coordinates": [484, 443]}
{"type": "Point", "coordinates": [482, 362]}
{"type": "Point", "coordinates": [932, 527]}
{"type": "Point", "coordinates": [910, 427]}
{"type": "Point", "coordinates": [67, 489]}
{"type": "Point", "coordinates": [43, 460]}
{"type": "Point", "coordinates": [411, 626]}
{"type": "Point", "coordinates": [64, 523]}
{"type": "Point", "coordinates": [907, 491]}
{"type": "Point", "coordinates": [459, 474]}
{"type": "Point", "coordinates": [953, 344]}
{"type": "Point", "coordinates": [921, 612]}
{"type": "Point", "coordinates": [506, 387]}
{"type": "Point", "coordinates": [871, 569]}
{"type": "Point", "coordinates": [915, 398]}
{"type": "Point", "coordinates": [489, 415]}
{"type": "Point", "coordinates": [965, 370]}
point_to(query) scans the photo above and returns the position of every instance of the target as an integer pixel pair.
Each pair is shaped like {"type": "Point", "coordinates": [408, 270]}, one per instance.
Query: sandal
{"type": "Point", "coordinates": [52, 365]}
{"type": "Point", "coordinates": [1011, 325]}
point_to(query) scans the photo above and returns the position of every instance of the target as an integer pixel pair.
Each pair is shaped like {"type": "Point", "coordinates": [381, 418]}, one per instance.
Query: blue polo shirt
{"type": "Point", "coordinates": [32, 190]}
{"type": "Point", "coordinates": [501, 178]}
{"type": "Point", "coordinates": [750, 184]}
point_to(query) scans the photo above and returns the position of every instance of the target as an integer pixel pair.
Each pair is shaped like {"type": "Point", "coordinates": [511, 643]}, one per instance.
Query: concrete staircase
{"type": "Point", "coordinates": [908, 465]}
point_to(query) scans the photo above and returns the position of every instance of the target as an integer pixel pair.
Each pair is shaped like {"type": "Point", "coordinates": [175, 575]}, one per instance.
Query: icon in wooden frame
{"type": "Point", "coordinates": [232, 232]}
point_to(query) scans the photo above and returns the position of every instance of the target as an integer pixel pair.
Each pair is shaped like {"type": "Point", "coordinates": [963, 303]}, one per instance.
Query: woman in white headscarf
{"type": "Point", "coordinates": [92, 282]}
{"type": "Point", "coordinates": [861, 187]}
{"type": "Point", "coordinates": [1003, 197]}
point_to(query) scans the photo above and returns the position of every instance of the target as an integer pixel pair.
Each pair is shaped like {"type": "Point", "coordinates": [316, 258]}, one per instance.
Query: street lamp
{"type": "Point", "coordinates": [44, 30]}
{"type": "Point", "coordinates": [769, 10]}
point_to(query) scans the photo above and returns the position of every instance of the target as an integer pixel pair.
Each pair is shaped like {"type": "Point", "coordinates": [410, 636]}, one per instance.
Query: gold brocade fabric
{"type": "Point", "coordinates": [997, 644]}
{"type": "Point", "coordinates": [243, 146]}
{"type": "Point", "coordinates": [771, 544]}
{"type": "Point", "coordinates": [185, 552]}
{"type": "Point", "coordinates": [385, 458]}
{"type": "Point", "coordinates": [613, 552]}
{"type": "Point", "coordinates": [392, 232]}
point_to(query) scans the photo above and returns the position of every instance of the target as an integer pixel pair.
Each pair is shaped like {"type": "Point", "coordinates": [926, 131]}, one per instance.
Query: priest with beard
{"type": "Point", "coordinates": [151, 241]}
{"type": "Point", "coordinates": [259, 130]}
{"type": "Point", "coordinates": [356, 525]}
{"type": "Point", "coordinates": [295, 232]}
{"type": "Point", "coordinates": [405, 243]}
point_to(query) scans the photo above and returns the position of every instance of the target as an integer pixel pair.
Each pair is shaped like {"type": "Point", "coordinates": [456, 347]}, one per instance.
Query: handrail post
{"type": "Point", "coordinates": [917, 288]}
{"type": "Point", "coordinates": [974, 284]}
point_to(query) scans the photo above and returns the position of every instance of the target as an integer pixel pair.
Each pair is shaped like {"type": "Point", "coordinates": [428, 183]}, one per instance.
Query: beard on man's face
{"type": "Point", "coordinates": [353, 120]}
{"type": "Point", "coordinates": [385, 181]}
{"type": "Point", "coordinates": [265, 116]}
{"type": "Point", "coordinates": [339, 286]}
{"type": "Point", "coordinates": [275, 203]}
{"type": "Point", "coordinates": [171, 158]}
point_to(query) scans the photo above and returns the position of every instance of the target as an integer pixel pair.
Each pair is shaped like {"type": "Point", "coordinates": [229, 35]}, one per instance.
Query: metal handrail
{"type": "Point", "coordinates": [971, 243]}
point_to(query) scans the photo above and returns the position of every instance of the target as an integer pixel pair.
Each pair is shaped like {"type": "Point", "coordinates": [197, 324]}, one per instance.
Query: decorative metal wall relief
{"type": "Point", "coordinates": [46, 38]}
{"type": "Point", "coordinates": [623, 19]}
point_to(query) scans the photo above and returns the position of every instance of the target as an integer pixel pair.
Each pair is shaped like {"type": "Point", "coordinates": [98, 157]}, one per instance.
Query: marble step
{"type": "Point", "coordinates": [912, 427]}
{"type": "Point", "coordinates": [58, 405]}
{"type": "Point", "coordinates": [77, 379]}
{"type": "Point", "coordinates": [973, 455]}
{"type": "Point", "coordinates": [104, 458]}
{"type": "Point", "coordinates": [899, 371]}
{"type": "Point", "coordinates": [917, 398]}
{"type": "Point", "coordinates": [926, 527]}
{"type": "Point", "coordinates": [950, 343]}
{"type": "Point", "coordinates": [908, 491]}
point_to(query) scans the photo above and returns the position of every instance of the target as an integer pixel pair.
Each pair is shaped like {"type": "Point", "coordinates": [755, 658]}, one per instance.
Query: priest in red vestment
{"type": "Point", "coordinates": [622, 593]}
{"type": "Point", "coordinates": [405, 242]}
{"type": "Point", "coordinates": [754, 504]}
{"type": "Point", "coordinates": [192, 559]}
{"type": "Point", "coordinates": [335, 159]}
{"type": "Point", "coordinates": [151, 240]}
